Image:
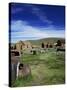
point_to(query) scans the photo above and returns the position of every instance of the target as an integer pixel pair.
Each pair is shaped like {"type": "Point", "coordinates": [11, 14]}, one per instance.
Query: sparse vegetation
{"type": "Point", "coordinates": [46, 40]}
{"type": "Point", "coordinates": [46, 69]}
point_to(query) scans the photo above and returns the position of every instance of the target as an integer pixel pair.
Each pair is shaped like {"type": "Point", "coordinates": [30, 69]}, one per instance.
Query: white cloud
{"type": "Point", "coordinates": [18, 25]}
{"type": "Point", "coordinates": [20, 30]}
{"type": "Point", "coordinates": [41, 15]}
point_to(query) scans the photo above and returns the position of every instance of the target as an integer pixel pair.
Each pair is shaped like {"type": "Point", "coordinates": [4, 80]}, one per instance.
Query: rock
{"type": "Point", "coordinates": [24, 70]}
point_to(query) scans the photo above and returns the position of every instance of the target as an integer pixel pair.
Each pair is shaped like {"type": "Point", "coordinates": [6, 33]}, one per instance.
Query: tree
{"type": "Point", "coordinates": [42, 45]}
{"type": "Point", "coordinates": [58, 43]}
{"type": "Point", "coordinates": [50, 46]}
{"type": "Point", "coordinates": [46, 45]}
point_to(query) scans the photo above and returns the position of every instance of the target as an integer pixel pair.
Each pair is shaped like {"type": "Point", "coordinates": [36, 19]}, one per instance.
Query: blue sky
{"type": "Point", "coordinates": [35, 21]}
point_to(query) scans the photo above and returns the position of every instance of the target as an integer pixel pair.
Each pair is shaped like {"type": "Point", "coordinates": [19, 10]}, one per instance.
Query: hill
{"type": "Point", "coordinates": [46, 40]}
{"type": "Point", "coordinates": [40, 41]}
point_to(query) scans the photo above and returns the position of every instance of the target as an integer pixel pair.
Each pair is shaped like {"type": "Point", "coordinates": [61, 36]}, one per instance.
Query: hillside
{"type": "Point", "coordinates": [46, 40]}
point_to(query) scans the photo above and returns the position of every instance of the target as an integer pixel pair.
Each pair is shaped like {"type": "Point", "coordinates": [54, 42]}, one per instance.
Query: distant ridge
{"type": "Point", "coordinates": [47, 40]}
{"type": "Point", "coordinates": [44, 40]}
